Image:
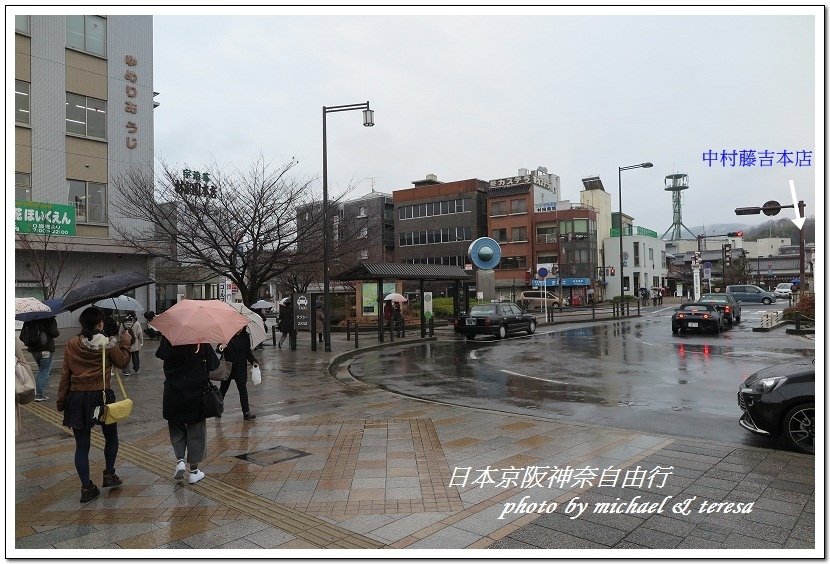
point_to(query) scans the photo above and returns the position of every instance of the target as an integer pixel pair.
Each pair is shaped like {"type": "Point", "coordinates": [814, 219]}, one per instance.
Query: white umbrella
{"type": "Point", "coordinates": [255, 324]}
{"type": "Point", "coordinates": [121, 303]}
{"type": "Point", "coordinates": [29, 305]}
{"type": "Point", "coordinates": [263, 304]}
{"type": "Point", "coordinates": [395, 297]}
{"type": "Point", "coordinates": [285, 301]}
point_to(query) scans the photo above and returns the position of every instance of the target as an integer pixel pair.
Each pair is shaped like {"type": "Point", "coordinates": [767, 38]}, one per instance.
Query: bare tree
{"type": "Point", "coordinates": [241, 224]}
{"type": "Point", "coordinates": [46, 257]}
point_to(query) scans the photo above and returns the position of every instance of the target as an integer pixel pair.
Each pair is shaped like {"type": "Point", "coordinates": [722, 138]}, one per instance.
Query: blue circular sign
{"type": "Point", "coordinates": [543, 272]}
{"type": "Point", "coordinates": [707, 265]}
{"type": "Point", "coordinates": [485, 253]}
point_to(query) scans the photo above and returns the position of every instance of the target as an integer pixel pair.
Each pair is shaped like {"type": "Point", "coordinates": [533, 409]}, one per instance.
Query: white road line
{"type": "Point", "coordinates": [533, 377]}
{"type": "Point", "coordinates": [472, 355]}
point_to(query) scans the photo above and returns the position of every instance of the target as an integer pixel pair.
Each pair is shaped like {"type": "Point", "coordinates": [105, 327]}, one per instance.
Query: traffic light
{"type": "Point", "coordinates": [735, 234]}
{"type": "Point", "coordinates": [613, 271]}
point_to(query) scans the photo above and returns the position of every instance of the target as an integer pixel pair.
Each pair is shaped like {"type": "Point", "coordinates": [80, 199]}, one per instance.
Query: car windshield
{"type": "Point", "coordinates": [784, 286]}
{"type": "Point", "coordinates": [483, 310]}
{"type": "Point", "coordinates": [715, 299]}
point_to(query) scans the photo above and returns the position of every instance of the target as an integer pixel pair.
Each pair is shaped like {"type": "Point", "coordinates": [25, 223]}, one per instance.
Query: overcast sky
{"type": "Point", "coordinates": [473, 96]}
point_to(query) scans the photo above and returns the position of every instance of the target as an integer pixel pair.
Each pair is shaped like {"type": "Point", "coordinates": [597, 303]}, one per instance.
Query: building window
{"type": "Point", "coordinates": [86, 116]}
{"type": "Point", "coordinates": [651, 255]}
{"type": "Point", "coordinates": [546, 234]}
{"type": "Point", "coordinates": [23, 24]}
{"type": "Point", "coordinates": [23, 186]}
{"type": "Point", "coordinates": [90, 201]}
{"type": "Point", "coordinates": [513, 263]}
{"type": "Point", "coordinates": [21, 102]}
{"type": "Point", "coordinates": [498, 208]}
{"type": "Point", "coordinates": [499, 235]}
{"type": "Point", "coordinates": [364, 254]}
{"type": "Point", "coordinates": [636, 254]}
{"type": "Point", "coordinates": [364, 232]}
{"type": "Point", "coordinates": [518, 206]}
{"type": "Point", "coordinates": [87, 33]}
{"type": "Point", "coordinates": [519, 235]}
{"type": "Point", "coordinates": [361, 211]}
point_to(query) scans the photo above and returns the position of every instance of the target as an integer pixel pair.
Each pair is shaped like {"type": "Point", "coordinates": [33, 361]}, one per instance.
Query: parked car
{"type": "Point", "coordinates": [783, 290]}
{"type": "Point", "coordinates": [750, 293]}
{"type": "Point", "coordinates": [535, 299]}
{"type": "Point", "coordinates": [729, 307]}
{"type": "Point", "coordinates": [497, 319]}
{"type": "Point", "coordinates": [779, 401]}
{"type": "Point", "coordinates": [695, 316]}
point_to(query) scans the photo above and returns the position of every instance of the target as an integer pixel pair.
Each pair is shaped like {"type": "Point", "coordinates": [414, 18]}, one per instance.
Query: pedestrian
{"type": "Point", "coordinates": [654, 297]}
{"type": "Point", "coordinates": [397, 318]}
{"type": "Point", "coordinates": [42, 351]}
{"type": "Point", "coordinates": [590, 293]}
{"type": "Point", "coordinates": [186, 370]}
{"type": "Point", "coordinates": [388, 315]}
{"type": "Point", "coordinates": [134, 327]}
{"type": "Point", "coordinates": [84, 376]}
{"type": "Point", "coordinates": [660, 292]}
{"type": "Point", "coordinates": [110, 325]}
{"type": "Point", "coordinates": [238, 353]}
{"type": "Point", "coordinates": [261, 313]}
{"type": "Point", "coordinates": [286, 322]}
{"type": "Point", "coordinates": [321, 321]}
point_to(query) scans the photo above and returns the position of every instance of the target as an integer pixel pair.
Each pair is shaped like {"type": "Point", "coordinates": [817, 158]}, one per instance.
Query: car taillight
{"type": "Point", "coordinates": [680, 316]}
{"type": "Point", "coordinates": [705, 316]}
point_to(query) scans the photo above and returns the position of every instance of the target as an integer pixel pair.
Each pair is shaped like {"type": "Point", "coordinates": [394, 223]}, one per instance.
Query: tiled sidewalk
{"type": "Point", "coordinates": [336, 464]}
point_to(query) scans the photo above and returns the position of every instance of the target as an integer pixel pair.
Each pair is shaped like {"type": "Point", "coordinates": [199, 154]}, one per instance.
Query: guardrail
{"type": "Point", "coordinates": [603, 310]}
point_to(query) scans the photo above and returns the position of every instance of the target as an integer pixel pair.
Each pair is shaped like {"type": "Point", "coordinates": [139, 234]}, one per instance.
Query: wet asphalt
{"type": "Point", "coordinates": [631, 374]}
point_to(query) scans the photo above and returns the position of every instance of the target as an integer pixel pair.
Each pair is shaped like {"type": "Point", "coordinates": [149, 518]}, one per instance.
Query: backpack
{"type": "Point", "coordinates": [32, 335]}
{"type": "Point", "coordinates": [25, 382]}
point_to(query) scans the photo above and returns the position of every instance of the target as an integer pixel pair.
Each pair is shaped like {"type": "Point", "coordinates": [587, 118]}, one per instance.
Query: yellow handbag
{"type": "Point", "coordinates": [113, 412]}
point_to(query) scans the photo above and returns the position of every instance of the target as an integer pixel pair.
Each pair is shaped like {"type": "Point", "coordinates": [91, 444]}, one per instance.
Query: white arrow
{"type": "Point", "coordinates": [799, 221]}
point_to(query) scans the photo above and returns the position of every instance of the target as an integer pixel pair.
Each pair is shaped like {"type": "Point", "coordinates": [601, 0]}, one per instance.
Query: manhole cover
{"type": "Point", "coordinates": [272, 455]}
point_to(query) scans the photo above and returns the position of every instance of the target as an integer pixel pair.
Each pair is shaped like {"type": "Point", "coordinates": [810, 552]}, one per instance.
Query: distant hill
{"type": "Point", "coordinates": [719, 228]}
{"type": "Point", "coordinates": [777, 228]}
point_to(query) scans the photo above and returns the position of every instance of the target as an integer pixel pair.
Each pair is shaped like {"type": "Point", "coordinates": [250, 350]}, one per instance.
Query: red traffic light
{"type": "Point", "coordinates": [735, 234]}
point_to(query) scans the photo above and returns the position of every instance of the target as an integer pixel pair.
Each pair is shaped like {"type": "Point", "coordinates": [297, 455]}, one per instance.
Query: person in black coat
{"type": "Point", "coordinates": [186, 370]}
{"type": "Point", "coordinates": [286, 322]}
{"type": "Point", "coordinates": [42, 352]}
{"type": "Point", "coordinates": [238, 353]}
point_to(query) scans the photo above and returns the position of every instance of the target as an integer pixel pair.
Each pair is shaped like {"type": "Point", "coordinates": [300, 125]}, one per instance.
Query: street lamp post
{"type": "Point", "coordinates": [368, 121]}
{"type": "Point", "coordinates": [620, 222]}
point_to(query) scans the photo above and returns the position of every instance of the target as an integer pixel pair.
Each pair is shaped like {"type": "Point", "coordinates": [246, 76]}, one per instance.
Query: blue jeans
{"type": "Point", "coordinates": [44, 365]}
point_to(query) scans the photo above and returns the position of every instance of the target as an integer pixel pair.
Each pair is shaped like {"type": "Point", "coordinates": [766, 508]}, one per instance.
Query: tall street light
{"type": "Point", "coordinates": [620, 222]}
{"type": "Point", "coordinates": [368, 121]}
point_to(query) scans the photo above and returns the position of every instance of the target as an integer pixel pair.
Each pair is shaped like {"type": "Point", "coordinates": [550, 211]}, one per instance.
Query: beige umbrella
{"type": "Point", "coordinates": [256, 328]}
{"type": "Point", "coordinates": [29, 305]}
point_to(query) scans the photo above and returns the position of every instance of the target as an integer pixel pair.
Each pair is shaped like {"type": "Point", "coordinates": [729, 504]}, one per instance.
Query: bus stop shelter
{"type": "Point", "coordinates": [386, 271]}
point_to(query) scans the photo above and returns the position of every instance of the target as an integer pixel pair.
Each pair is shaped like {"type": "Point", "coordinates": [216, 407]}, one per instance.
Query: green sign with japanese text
{"type": "Point", "coordinates": [41, 218]}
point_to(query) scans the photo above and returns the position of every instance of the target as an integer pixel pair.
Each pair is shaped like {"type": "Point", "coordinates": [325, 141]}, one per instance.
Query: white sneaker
{"type": "Point", "coordinates": [179, 473]}
{"type": "Point", "coordinates": [195, 476]}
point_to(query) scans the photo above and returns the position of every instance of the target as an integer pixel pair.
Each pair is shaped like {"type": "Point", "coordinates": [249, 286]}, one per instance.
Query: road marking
{"type": "Point", "coordinates": [533, 377]}
{"type": "Point", "coordinates": [473, 355]}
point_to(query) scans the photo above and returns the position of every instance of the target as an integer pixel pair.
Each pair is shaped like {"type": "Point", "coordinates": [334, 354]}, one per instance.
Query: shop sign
{"type": "Point", "coordinates": [42, 218]}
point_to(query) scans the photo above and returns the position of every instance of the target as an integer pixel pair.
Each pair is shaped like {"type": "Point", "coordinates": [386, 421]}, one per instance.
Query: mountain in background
{"type": "Point", "coordinates": [777, 228]}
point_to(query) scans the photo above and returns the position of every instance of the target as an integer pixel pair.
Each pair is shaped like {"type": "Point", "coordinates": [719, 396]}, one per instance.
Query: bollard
{"type": "Point", "coordinates": [798, 321]}
{"type": "Point", "coordinates": [356, 333]}
{"type": "Point", "coordinates": [593, 310]}
{"type": "Point", "coordinates": [274, 335]}
{"type": "Point", "coordinates": [348, 327]}
{"type": "Point", "coordinates": [431, 328]}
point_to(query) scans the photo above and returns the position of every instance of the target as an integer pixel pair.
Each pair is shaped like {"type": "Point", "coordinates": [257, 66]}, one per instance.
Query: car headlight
{"type": "Point", "coordinates": [767, 384]}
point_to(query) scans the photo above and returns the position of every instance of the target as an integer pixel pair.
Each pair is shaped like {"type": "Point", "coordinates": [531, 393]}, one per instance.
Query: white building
{"type": "Point", "coordinates": [83, 117]}
{"type": "Point", "coordinates": [644, 261]}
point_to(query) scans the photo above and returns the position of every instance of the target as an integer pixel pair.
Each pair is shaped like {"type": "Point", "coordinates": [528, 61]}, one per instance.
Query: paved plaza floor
{"type": "Point", "coordinates": [331, 463]}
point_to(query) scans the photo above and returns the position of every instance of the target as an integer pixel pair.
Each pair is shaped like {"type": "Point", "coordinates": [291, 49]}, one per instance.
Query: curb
{"type": "Point", "coordinates": [334, 364]}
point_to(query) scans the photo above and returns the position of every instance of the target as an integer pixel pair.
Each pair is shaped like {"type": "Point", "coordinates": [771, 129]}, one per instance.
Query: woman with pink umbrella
{"type": "Point", "coordinates": [187, 328]}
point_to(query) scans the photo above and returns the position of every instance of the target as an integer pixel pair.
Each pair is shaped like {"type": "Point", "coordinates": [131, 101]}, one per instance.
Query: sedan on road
{"type": "Point", "coordinates": [780, 401]}
{"type": "Point", "coordinates": [729, 307]}
{"type": "Point", "coordinates": [497, 319]}
{"type": "Point", "coordinates": [696, 316]}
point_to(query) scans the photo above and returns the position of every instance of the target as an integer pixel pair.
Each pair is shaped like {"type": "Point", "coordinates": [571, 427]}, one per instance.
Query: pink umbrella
{"type": "Point", "coordinates": [199, 321]}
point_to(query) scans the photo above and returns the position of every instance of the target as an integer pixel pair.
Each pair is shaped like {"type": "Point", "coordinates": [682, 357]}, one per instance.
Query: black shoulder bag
{"type": "Point", "coordinates": [212, 402]}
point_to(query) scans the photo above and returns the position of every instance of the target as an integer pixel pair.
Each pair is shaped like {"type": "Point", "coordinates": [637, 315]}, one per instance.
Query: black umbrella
{"type": "Point", "coordinates": [56, 305]}
{"type": "Point", "coordinates": [107, 287]}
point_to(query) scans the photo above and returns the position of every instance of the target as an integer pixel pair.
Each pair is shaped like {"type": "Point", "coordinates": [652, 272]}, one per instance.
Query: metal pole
{"type": "Point", "coordinates": [620, 224]}
{"type": "Point", "coordinates": [802, 283]}
{"type": "Point", "coordinates": [326, 334]}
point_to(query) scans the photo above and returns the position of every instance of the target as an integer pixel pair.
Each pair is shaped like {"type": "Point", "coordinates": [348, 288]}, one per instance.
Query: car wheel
{"type": "Point", "coordinates": [531, 327]}
{"type": "Point", "coordinates": [766, 301]}
{"type": "Point", "coordinates": [502, 332]}
{"type": "Point", "coordinates": [674, 329]}
{"type": "Point", "coordinates": [799, 427]}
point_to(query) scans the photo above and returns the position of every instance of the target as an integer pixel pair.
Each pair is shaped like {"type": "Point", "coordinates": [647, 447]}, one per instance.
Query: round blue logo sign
{"type": "Point", "coordinates": [485, 253]}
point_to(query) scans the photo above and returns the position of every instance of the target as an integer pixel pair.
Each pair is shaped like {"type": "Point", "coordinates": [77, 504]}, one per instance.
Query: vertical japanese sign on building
{"type": "Point", "coordinates": [130, 105]}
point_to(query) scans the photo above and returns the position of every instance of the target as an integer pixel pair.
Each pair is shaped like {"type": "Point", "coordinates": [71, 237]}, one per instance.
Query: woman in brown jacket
{"type": "Point", "coordinates": [80, 392]}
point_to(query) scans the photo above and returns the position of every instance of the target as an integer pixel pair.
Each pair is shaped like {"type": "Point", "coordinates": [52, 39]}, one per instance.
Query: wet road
{"type": "Point", "coordinates": [630, 374]}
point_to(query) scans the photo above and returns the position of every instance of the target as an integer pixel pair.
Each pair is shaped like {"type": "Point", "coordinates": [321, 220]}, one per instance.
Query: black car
{"type": "Point", "coordinates": [696, 316]}
{"type": "Point", "coordinates": [726, 304]}
{"type": "Point", "coordinates": [779, 401]}
{"type": "Point", "coordinates": [497, 319]}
